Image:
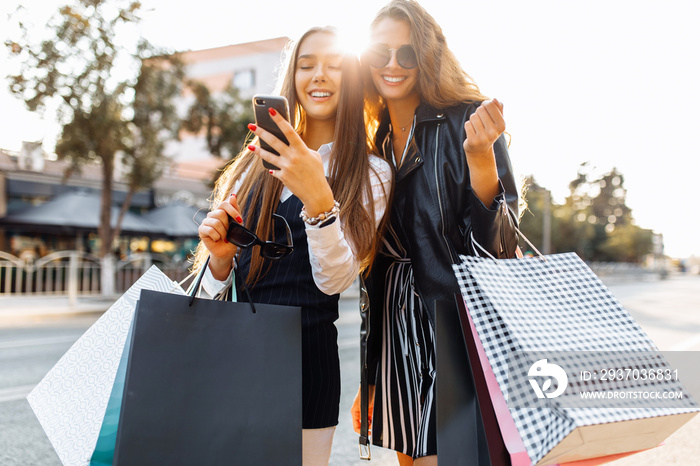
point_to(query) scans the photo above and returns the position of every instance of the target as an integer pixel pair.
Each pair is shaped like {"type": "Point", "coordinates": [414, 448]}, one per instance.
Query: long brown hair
{"type": "Point", "coordinates": [441, 80]}
{"type": "Point", "coordinates": [348, 169]}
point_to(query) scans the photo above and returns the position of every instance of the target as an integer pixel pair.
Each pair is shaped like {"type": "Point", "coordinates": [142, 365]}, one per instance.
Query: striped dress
{"type": "Point", "coordinates": [404, 416]}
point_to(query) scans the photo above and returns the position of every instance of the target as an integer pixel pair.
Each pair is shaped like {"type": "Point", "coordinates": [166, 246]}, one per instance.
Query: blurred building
{"type": "Point", "coordinates": [30, 177]}
{"type": "Point", "coordinates": [25, 186]}
{"type": "Point", "coordinates": [252, 67]}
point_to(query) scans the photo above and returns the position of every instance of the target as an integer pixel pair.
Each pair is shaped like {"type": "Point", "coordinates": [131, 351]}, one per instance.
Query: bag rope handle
{"type": "Point", "coordinates": [476, 246]}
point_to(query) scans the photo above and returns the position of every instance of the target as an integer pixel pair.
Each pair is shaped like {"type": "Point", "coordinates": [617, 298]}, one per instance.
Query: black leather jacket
{"type": "Point", "coordinates": [434, 211]}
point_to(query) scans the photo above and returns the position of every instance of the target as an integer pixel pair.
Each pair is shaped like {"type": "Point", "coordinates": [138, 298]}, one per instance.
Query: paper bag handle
{"type": "Point", "coordinates": [192, 291]}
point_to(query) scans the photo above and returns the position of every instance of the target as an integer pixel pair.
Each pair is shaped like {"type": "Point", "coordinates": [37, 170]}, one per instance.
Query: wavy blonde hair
{"type": "Point", "coordinates": [348, 170]}
{"type": "Point", "coordinates": [441, 80]}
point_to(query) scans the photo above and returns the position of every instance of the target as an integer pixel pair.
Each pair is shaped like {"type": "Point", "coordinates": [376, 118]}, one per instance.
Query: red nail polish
{"type": "Point", "coordinates": [234, 195]}
{"type": "Point", "coordinates": [270, 172]}
{"type": "Point", "coordinates": [225, 240]}
{"type": "Point", "coordinates": [252, 127]}
{"type": "Point", "coordinates": [273, 112]}
{"type": "Point", "coordinates": [239, 219]}
{"type": "Point", "coordinates": [251, 148]}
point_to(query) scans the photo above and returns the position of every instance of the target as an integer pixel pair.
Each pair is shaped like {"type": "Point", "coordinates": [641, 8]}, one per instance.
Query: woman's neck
{"type": "Point", "coordinates": [318, 133]}
{"type": "Point", "coordinates": [401, 112]}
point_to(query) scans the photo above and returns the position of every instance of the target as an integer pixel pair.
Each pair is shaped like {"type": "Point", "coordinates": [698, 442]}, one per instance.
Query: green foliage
{"type": "Point", "coordinates": [531, 221]}
{"type": "Point", "coordinates": [594, 221]}
{"type": "Point", "coordinates": [223, 117]}
{"type": "Point", "coordinates": [106, 111]}
{"type": "Point", "coordinates": [155, 119]}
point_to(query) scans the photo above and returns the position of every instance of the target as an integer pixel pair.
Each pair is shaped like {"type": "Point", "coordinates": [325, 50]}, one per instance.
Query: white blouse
{"type": "Point", "coordinates": [333, 262]}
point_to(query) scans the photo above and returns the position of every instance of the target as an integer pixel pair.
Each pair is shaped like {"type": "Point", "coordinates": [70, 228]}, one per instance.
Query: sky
{"type": "Point", "coordinates": [609, 82]}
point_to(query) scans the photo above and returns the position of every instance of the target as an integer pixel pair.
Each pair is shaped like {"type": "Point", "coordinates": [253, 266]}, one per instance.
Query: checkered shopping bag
{"type": "Point", "coordinates": [549, 316]}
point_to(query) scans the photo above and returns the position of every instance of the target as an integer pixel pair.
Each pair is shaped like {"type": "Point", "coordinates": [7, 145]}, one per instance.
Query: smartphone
{"type": "Point", "coordinates": [261, 106]}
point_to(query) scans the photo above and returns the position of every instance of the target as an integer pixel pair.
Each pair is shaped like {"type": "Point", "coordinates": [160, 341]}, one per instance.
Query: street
{"type": "Point", "coordinates": [669, 310]}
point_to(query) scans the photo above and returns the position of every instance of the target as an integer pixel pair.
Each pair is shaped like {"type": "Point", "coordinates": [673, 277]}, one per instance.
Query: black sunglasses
{"type": "Point", "coordinates": [379, 56]}
{"type": "Point", "coordinates": [244, 238]}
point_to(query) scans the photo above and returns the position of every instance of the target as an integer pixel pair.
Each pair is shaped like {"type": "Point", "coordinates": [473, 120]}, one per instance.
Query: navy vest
{"type": "Point", "coordinates": [289, 281]}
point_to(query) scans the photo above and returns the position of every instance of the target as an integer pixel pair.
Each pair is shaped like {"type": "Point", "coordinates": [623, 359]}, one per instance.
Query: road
{"type": "Point", "coordinates": [669, 311]}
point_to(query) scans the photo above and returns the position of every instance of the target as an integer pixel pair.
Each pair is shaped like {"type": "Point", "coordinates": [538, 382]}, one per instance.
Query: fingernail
{"type": "Point", "coordinates": [272, 111]}
{"type": "Point", "coordinates": [233, 195]}
{"type": "Point", "coordinates": [270, 172]}
{"type": "Point", "coordinates": [239, 219]}
{"type": "Point", "coordinates": [225, 240]}
{"type": "Point", "coordinates": [252, 127]}
{"type": "Point", "coordinates": [251, 148]}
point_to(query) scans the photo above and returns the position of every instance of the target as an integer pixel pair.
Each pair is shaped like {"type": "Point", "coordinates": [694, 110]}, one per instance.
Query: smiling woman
{"type": "Point", "coordinates": [322, 172]}
{"type": "Point", "coordinates": [318, 79]}
{"type": "Point", "coordinates": [450, 194]}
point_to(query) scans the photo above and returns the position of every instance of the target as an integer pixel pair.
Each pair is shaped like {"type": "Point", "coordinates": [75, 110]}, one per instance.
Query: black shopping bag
{"type": "Point", "coordinates": [214, 383]}
{"type": "Point", "coordinates": [466, 428]}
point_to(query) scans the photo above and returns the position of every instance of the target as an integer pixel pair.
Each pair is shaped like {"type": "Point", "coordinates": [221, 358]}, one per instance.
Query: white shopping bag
{"type": "Point", "coordinates": [70, 401]}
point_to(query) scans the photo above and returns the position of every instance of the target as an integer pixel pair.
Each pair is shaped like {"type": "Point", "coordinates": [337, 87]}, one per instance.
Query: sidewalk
{"type": "Point", "coordinates": [22, 307]}
{"type": "Point", "coordinates": [33, 306]}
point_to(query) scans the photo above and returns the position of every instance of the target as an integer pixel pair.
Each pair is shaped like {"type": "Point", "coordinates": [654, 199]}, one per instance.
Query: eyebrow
{"type": "Point", "coordinates": [313, 56]}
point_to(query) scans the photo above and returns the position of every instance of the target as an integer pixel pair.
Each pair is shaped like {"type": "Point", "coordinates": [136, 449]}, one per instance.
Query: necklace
{"type": "Point", "coordinates": [405, 127]}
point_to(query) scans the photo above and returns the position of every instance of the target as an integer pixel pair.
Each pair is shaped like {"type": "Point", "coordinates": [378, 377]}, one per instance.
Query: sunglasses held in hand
{"type": "Point", "coordinates": [244, 238]}
{"type": "Point", "coordinates": [379, 56]}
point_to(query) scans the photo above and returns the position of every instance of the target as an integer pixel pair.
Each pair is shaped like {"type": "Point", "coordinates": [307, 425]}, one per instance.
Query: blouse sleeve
{"type": "Point", "coordinates": [211, 287]}
{"type": "Point", "coordinates": [333, 262]}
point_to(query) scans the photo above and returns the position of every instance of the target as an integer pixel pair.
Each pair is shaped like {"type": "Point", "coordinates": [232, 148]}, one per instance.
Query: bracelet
{"type": "Point", "coordinates": [322, 216]}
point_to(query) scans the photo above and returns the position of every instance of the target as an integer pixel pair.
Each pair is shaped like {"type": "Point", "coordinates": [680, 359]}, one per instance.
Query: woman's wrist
{"type": "Point", "coordinates": [483, 175]}
{"type": "Point", "coordinates": [220, 268]}
{"type": "Point", "coordinates": [320, 204]}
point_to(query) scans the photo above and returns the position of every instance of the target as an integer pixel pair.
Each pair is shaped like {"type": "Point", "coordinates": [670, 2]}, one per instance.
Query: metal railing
{"type": "Point", "coordinates": [77, 273]}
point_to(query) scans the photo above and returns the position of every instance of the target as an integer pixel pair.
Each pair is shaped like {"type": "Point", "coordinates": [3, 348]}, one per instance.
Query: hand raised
{"type": "Point", "coordinates": [483, 128]}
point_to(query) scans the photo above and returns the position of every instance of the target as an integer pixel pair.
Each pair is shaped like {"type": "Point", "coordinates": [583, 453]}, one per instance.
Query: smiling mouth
{"type": "Point", "coordinates": [394, 79]}
{"type": "Point", "coordinates": [321, 94]}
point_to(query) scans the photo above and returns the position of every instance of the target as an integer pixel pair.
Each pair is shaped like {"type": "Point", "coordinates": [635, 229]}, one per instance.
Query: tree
{"type": "Point", "coordinates": [567, 234]}
{"type": "Point", "coordinates": [103, 115]}
{"type": "Point", "coordinates": [594, 221]}
{"type": "Point", "coordinates": [627, 243]}
{"type": "Point", "coordinates": [154, 121]}
{"type": "Point", "coordinates": [601, 202]}
{"type": "Point", "coordinates": [223, 117]}
{"type": "Point", "coordinates": [531, 222]}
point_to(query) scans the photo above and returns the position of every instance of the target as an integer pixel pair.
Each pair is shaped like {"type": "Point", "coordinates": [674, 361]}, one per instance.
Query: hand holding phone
{"type": "Point", "coordinates": [301, 169]}
{"type": "Point", "coordinates": [261, 106]}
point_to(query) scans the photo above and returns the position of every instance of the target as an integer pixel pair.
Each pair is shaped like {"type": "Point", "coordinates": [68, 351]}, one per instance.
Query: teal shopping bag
{"type": "Point", "coordinates": [104, 449]}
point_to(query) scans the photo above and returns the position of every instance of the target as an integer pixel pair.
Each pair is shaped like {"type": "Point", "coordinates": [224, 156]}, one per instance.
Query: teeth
{"type": "Point", "coordinates": [320, 94]}
{"type": "Point", "coordinates": [393, 79]}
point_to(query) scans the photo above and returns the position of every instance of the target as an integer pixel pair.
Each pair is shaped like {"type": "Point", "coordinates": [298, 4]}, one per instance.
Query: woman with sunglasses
{"type": "Point", "coordinates": [332, 195]}
{"type": "Point", "coordinates": [454, 188]}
